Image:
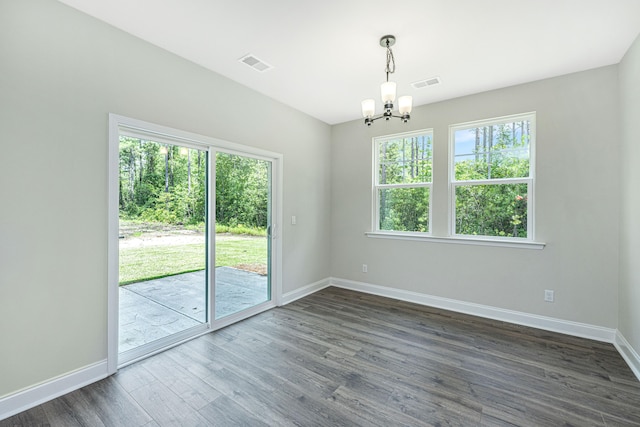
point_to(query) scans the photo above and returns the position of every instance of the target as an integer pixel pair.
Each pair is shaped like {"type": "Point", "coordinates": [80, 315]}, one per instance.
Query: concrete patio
{"type": "Point", "coordinates": [154, 309]}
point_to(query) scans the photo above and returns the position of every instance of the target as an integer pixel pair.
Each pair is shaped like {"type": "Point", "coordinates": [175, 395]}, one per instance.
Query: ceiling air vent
{"type": "Point", "coordinates": [426, 82]}
{"type": "Point", "coordinates": [255, 63]}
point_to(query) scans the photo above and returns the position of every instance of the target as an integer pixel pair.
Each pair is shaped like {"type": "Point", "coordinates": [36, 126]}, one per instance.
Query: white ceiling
{"type": "Point", "coordinates": [326, 55]}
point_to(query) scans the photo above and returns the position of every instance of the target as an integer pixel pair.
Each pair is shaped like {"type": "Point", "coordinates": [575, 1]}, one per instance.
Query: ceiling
{"type": "Point", "coordinates": [326, 56]}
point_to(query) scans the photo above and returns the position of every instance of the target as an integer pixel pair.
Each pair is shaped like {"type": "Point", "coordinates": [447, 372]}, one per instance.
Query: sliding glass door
{"type": "Point", "coordinates": [191, 236]}
{"type": "Point", "coordinates": [242, 242]}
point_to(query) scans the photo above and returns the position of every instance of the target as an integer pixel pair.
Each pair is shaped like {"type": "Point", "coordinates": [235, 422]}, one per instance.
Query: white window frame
{"type": "Point", "coordinates": [375, 215]}
{"type": "Point", "coordinates": [530, 180]}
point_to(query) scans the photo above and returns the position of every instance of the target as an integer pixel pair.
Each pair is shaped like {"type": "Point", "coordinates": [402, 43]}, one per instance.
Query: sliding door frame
{"type": "Point", "coordinates": [133, 127]}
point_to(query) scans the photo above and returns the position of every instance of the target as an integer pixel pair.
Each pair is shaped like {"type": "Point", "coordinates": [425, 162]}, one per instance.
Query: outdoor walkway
{"type": "Point", "coordinates": [157, 308]}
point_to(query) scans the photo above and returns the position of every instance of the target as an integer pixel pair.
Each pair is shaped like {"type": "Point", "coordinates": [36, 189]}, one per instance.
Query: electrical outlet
{"type": "Point", "coordinates": [548, 295]}
{"type": "Point", "coordinates": [364, 268]}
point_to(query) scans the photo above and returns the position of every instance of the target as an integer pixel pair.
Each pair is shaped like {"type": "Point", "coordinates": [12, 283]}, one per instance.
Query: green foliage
{"type": "Point", "coordinates": [168, 184]}
{"type": "Point", "coordinates": [501, 152]}
{"type": "Point", "coordinates": [242, 190]}
{"type": "Point", "coordinates": [404, 209]}
{"type": "Point", "coordinates": [492, 210]}
{"type": "Point", "coordinates": [405, 161]}
{"type": "Point", "coordinates": [163, 183]}
{"type": "Point", "coordinates": [241, 230]}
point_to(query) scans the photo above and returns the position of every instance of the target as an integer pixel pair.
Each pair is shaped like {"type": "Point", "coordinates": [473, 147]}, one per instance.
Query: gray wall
{"type": "Point", "coordinates": [61, 73]}
{"type": "Point", "coordinates": [629, 323]}
{"type": "Point", "coordinates": [576, 214]}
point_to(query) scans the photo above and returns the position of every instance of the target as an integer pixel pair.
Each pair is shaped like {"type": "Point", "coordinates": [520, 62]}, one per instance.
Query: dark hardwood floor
{"type": "Point", "coordinates": [340, 358]}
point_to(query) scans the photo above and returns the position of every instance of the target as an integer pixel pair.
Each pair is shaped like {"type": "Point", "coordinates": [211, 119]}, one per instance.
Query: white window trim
{"type": "Point", "coordinates": [375, 210]}
{"type": "Point", "coordinates": [530, 180]}
{"type": "Point", "coordinates": [459, 240]}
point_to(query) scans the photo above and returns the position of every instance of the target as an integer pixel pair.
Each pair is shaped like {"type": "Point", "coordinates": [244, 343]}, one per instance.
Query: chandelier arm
{"type": "Point", "coordinates": [369, 120]}
{"type": "Point", "coordinates": [382, 116]}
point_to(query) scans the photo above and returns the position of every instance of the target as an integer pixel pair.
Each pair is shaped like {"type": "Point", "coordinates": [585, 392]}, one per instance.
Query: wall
{"type": "Point", "coordinates": [630, 200]}
{"type": "Point", "coordinates": [61, 73]}
{"type": "Point", "coordinates": [577, 201]}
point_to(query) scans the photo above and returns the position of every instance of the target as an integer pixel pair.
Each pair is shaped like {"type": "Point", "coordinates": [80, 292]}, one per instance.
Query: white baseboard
{"type": "Point", "coordinates": [34, 396]}
{"type": "Point", "coordinates": [628, 354]}
{"type": "Point", "coordinates": [290, 297]}
{"type": "Point", "coordinates": [583, 330]}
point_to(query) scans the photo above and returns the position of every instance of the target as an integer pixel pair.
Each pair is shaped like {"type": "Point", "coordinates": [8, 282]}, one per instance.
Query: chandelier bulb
{"type": "Point", "coordinates": [368, 108]}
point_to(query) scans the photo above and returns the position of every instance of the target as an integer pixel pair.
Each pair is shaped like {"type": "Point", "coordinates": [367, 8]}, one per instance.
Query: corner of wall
{"type": "Point", "coordinates": [628, 338]}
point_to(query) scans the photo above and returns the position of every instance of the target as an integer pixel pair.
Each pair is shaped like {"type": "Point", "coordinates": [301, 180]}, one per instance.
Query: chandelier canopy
{"type": "Point", "coordinates": [388, 92]}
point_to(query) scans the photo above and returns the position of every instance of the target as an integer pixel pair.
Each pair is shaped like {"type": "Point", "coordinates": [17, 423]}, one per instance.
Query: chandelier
{"type": "Point", "coordinates": [388, 92]}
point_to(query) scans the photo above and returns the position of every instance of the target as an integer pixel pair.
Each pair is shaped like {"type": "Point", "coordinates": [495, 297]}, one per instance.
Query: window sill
{"type": "Point", "coordinates": [520, 244]}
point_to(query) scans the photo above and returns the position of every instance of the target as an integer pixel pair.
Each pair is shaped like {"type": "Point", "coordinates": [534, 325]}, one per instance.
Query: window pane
{"type": "Point", "coordinates": [492, 210]}
{"type": "Point", "coordinates": [405, 160]}
{"type": "Point", "coordinates": [162, 261]}
{"type": "Point", "coordinates": [243, 203]}
{"type": "Point", "coordinates": [404, 209]}
{"type": "Point", "coordinates": [492, 152]}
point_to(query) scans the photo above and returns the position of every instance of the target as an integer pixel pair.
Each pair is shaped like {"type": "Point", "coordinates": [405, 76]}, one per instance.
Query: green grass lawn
{"type": "Point", "coordinates": [153, 262]}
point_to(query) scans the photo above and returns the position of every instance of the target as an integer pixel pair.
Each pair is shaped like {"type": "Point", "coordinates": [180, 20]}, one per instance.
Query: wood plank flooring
{"type": "Point", "coordinates": [341, 358]}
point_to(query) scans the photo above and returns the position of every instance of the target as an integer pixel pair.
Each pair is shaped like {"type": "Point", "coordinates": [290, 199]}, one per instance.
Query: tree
{"type": "Point", "coordinates": [242, 191]}
{"type": "Point", "coordinates": [157, 183]}
{"type": "Point", "coordinates": [497, 209]}
{"type": "Point", "coordinates": [404, 167]}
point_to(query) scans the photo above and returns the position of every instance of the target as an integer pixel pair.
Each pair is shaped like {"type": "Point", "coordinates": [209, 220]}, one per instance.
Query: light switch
{"type": "Point", "coordinates": [293, 220]}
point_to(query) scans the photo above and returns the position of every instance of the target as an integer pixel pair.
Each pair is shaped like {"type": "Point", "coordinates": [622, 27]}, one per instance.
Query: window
{"type": "Point", "coordinates": [402, 182]}
{"type": "Point", "coordinates": [491, 177]}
